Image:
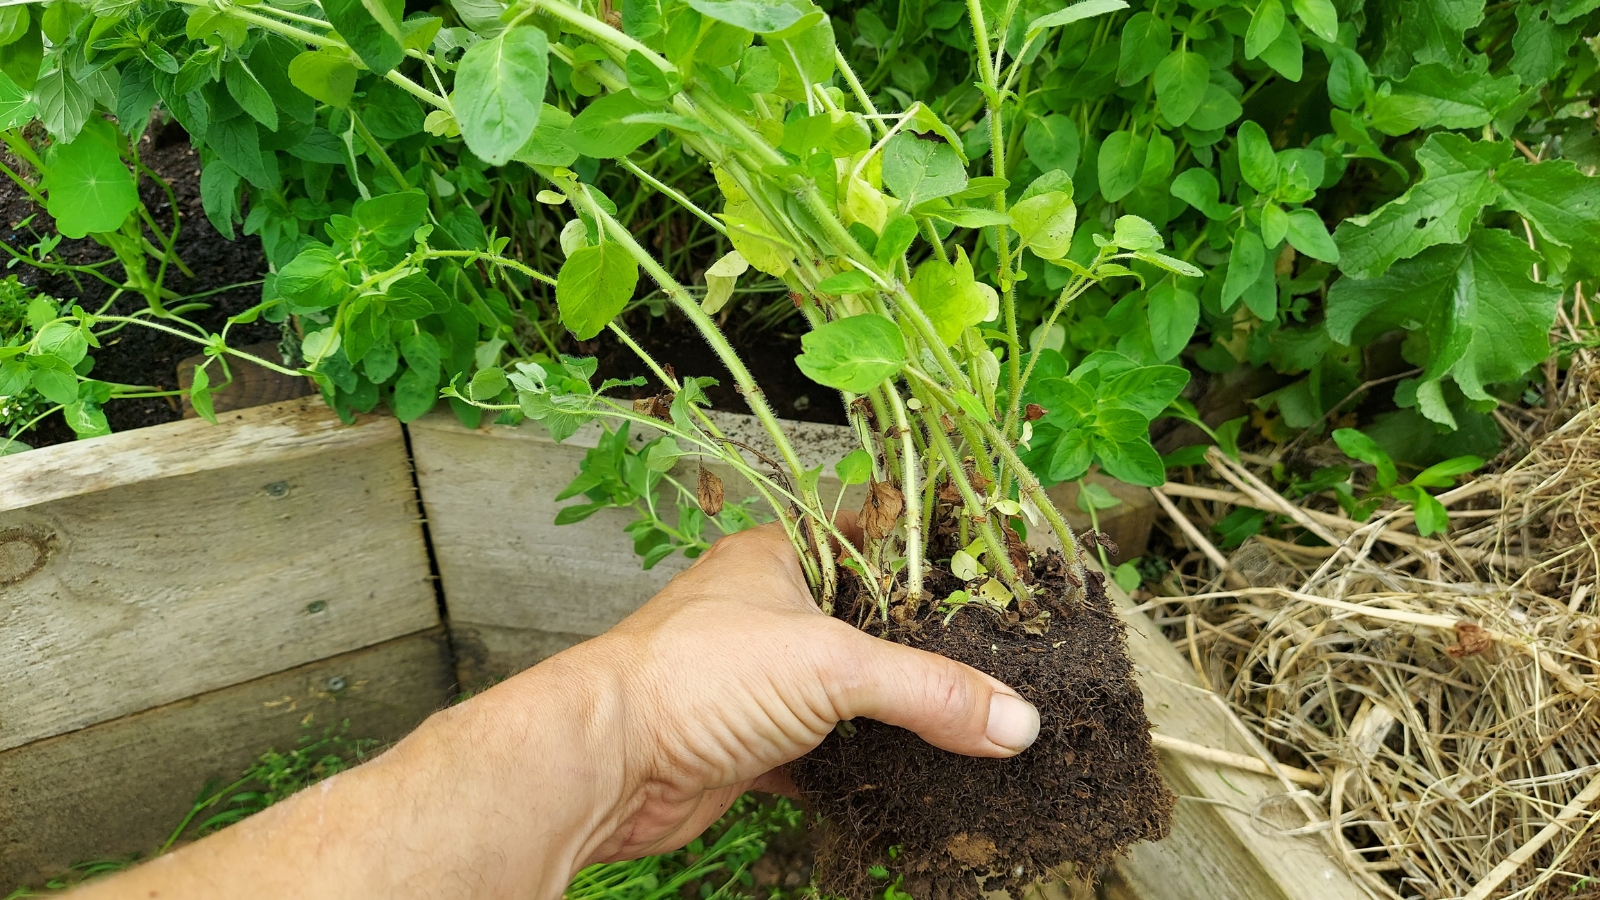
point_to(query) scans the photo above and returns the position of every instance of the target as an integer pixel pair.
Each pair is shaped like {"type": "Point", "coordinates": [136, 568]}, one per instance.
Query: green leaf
{"type": "Point", "coordinates": [16, 104]}
{"type": "Point", "coordinates": [87, 187]}
{"type": "Point", "coordinates": [1484, 318]}
{"type": "Point", "coordinates": [1309, 236]}
{"type": "Point", "coordinates": [392, 218]}
{"type": "Point", "coordinates": [1180, 82]}
{"type": "Point", "coordinates": [1217, 109]}
{"type": "Point", "coordinates": [1045, 223]}
{"type": "Point", "coordinates": [324, 75]}
{"type": "Point", "coordinates": [53, 377]}
{"type": "Point", "coordinates": [1265, 25]}
{"type": "Point", "coordinates": [1286, 55]}
{"type": "Point", "coordinates": [1135, 233]}
{"type": "Point", "coordinates": [599, 131]}
{"type": "Point", "coordinates": [1358, 446]}
{"type": "Point", "coordinates": [499, 92]}
{"type": "Point", "coordinates": [1430, 515]}
{"type": "Point", "coordinates": [952, 297]}
{"type": "Point", "coordinates": [486, 385]}
{"type": "Point", "coordinates": [1435, 95]}
{"type": "Point", "coordinates": [64, 339]}
{"type": "Point", "coordinates": [968, 217]}
{"type": "Point", "coordinates": [851, 282]}
{"type": "Point", "coordinates": [855, 468]}
{"type": "Point", "coordinates": [415, 393]}
{"type": "Point", "coordinates": [1173, 313]}
{"type": "Point", "coordinates": [1071, 455]}
{"type": "Point", "coordinates": [593, 287]}
{"type": "Point", "coordinates": [247, 91]}
{"type": "Point", "coordinates": [1349, 81]}
{"type": "Point", "coordinates": [917, 170]}
{"type": "Point", "coordinates": [1198, 188]}
{"type": "Point", "coordinates": [1274, 224]}
{"type": "Point", "coordinates": [1051, 143]}
{"type": "Point", "coordinates": [1075, 13]}
{"type": "Point", "coordinates": [1320, 17]}
{"type": "Point", "coordinates": [545, 147]}
{"type": "Point", "coordinates": [1135, 461]}
{"type": "Point", "coordinates": [1258, 162]}
{"type": "Point", "coordinates": [421, 352]}
{"type": "Point", "coordinates": [200, 395]}
{"type": "Point", "coordinates": [1121, 164]}
{"type": "Point", "coordinates": [1244, 265]}
{"type": "Point", "coordinates": [1145, 40]}
{"type": "Point", "coordinates": [1146, 390]}
{"type": "Point", "coordinates": [1560, 200]}
{"type": "Point", "coordinates": [371, 28]}
{"type": "Point", "coordinates": [313, 280]}
{"type": "Point", "coordinates": [853, 354]}
{"type": "Point", "coordinates": [1440, 208]}
{"type": "Point", "coordinates": [752, 15]}
{"type": "Point", "coordinates": [64, 102]}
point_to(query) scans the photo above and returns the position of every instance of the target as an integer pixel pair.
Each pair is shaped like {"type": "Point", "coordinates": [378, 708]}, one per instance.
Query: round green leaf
{"type": "Point", "coordinates": [87, 187]}
{"type": "Point", "coordinates": [1258, 163]}
{"type": "Point", "coordinates": [854, 354]}
{"type": "Point", "coordinates": [1320, 17]}
{"type": "Point", "coordinates": [1217, 109]}
{"type": "Point", "coordinates": [855, 468]}
{"type": "Point", "coordinates": [593, 286]}
{"type": "Point", "coordinates": [1121, 164]}
{"type": "Point", "coordinates": [499, 92]}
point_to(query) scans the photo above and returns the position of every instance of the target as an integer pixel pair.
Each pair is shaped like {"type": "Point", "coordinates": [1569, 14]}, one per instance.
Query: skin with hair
{"type": "Point", "coordinates": [626, 745]}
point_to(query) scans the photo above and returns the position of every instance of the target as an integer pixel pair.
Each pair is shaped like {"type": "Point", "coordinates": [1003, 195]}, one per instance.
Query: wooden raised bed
{"type": "Point", "coordinates": [177, 599]}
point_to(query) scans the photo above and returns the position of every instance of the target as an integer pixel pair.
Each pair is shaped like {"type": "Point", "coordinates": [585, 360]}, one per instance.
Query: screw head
{"type": "Point", "coordinates": [316, 606]}
{"type": "Point", "coordinates": [277, 488]}
{"type": "Point", "coordinates": [336, 683]}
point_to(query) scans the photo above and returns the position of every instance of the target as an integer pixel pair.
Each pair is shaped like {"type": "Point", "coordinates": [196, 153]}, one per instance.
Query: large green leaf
{"type": "Point", "coordinates": [952, 297]}
{"type": "Point", "coordinates": [853, 354]}
{"type": "Point", "coordinates": [1180, 84]}
{"type": "Point", "coordinates": [1440, 208]}
{"type": "Point", "coordinates": [16, 104]}
{"type": "Point", "coordinates": [593, 287]}
{"type": "Point", "coordinates": [1052, 143]}
{"type": "Point", "coordinates": [917, 170]}
{"type": "Point", "coordinates": [1121, 164]}
{"type": "Point", "coordinates": [87, 186]}
{"type": "Point", "coordinates": [753, 15]}
{"type": "Point", "coordinates": [371, 28]}
{"type": "Point", "coordinates": [545, 146]}
{"type": "Point", "coordinates": [1560, 201]}
{"type": "Point", "coordinates": [499, 92]}
{"type": "Point", "coordinates": [599, 131]}
{"type": "Point", "coordinates": [1435, 95]}
{"type": "Point", "coordinates": [1484, 319]}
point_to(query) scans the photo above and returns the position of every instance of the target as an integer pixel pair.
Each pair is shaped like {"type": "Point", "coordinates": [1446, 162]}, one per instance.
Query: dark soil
{"type": "Point", "coordinates": [673, 341]}
{"type": "Point", "coordinates": [137, 355]}
{"type": "Point", "coordinates": [1086, 790]}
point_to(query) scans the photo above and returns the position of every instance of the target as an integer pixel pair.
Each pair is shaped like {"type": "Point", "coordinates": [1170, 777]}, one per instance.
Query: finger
{"type": "Point", "coordinates": [948, 704]}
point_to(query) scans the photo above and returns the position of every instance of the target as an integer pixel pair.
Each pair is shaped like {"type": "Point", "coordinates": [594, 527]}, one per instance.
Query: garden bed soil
{"type": "Point", "coordinates": [1088, 788]}
{"type": "Point", "coordinates": [136, 355]}
{"type": "Point", "coordinates": [673, 341]}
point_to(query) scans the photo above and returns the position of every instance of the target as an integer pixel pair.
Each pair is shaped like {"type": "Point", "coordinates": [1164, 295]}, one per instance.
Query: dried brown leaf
{"type": "Point", "coordinates": [881, 510]}
{"type": "Point", "coordinates": [710, 492]}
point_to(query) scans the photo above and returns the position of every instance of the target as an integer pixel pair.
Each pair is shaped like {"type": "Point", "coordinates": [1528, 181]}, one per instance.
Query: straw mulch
{"type": "Point", "coordinates": [1448, 691]}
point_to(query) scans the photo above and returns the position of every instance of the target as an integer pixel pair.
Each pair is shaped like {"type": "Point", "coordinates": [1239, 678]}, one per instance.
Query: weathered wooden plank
{"type": "Point", "coordinates": [122, 786]}
{"type": "Point", "coordinates": [194, 556]}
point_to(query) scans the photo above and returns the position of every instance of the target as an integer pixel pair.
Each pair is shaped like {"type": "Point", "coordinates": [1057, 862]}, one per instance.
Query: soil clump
{"type": "Point", "coordinates": [1088, 788]}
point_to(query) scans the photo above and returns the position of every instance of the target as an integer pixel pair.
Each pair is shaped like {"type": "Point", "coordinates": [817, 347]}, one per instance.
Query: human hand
{"type": "Point", "coordinates": [732, 671]}
{"type": "Point", "coordinates": [623, 746]}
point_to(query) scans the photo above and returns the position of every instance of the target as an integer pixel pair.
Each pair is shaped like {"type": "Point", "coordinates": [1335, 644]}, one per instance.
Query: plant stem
{"type": "Point", "coordinates": [911, 464]}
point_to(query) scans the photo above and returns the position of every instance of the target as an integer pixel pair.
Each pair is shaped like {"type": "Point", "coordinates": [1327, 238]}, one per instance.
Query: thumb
{"type": "Point", "coordinates": [948, 704]}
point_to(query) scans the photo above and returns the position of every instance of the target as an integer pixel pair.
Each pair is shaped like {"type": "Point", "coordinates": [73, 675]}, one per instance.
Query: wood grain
{"type": "Point", "coordinates": [121, 787]}
{"type": "Point", "coordinates": [242, 549]}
